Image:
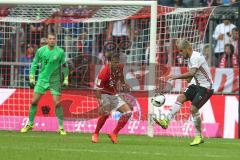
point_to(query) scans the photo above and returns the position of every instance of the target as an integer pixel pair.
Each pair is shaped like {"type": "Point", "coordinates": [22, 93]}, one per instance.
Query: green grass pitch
{"type": "Point", "coordinates": [76, 146]}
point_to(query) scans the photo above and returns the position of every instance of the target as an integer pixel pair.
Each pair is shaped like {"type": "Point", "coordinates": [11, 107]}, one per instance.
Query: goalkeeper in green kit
{"type": "Point", "coordinates": [52, 59]}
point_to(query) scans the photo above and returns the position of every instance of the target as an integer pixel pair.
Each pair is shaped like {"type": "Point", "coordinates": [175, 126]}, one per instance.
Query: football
{"type": "Point", "coordinates": [158, 100]}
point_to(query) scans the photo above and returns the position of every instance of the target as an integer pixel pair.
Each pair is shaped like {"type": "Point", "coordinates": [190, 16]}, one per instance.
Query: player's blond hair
{"type": "Point", "coordinates": [183, 44]}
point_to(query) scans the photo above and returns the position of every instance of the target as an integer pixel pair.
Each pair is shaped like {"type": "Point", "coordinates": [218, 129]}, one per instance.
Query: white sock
{"type": "Point", "coordinates": [175, 108]}
{"type": "Point", "coordinates": [197, 123]}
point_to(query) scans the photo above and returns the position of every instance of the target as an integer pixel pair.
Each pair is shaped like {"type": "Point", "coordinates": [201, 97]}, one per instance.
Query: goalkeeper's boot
{"type": "Point", "coordinates": [197, 140]}
{"type": "Point", "coordinates": [62, 132]}
{"type": "Point", "coordinates": [162, 122]}
{"type": "Point", "coordinates": [27, 128]}
{"type": "Point", "coordinates": [113, 138]}
{"type": "Point", "coordinates": [95, 138]}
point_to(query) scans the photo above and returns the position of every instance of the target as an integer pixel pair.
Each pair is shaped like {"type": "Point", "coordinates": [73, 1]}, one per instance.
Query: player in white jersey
{"type": "Point", "coordinates": [199, 89]}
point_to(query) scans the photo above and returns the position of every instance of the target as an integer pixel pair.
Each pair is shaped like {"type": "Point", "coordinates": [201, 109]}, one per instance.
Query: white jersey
{"type": "Point", "coordinates": [222, 29]}
{"type": "Point", "coordinates": [203, 76]}
{"type": "Point", "coordinates": [120, 28]}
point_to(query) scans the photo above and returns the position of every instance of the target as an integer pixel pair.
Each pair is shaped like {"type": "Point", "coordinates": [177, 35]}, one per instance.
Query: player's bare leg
{"type": "Point", "coordinates": [59, 114]}
{"type": "Point", "coordinates": [32, 112]}
{"type": "Point", "coordinates": [127, 113]}
{"type": "Point", "coordinates": [198, 124]}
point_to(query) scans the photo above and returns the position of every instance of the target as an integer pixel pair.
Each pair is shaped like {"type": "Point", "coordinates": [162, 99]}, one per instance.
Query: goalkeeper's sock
{"type": "Point", "coordinates": [197, 123]}
{"type": "Point", "coordinates": [122, 122]}
{"type": "Point", "coordinates": [101, 121]}
{"type": "Point", "coordinates": [32, 113]}
{"type": "Point", "coordinates": [175, 108]}
{"type": "Point", "coordinates": [59, 114]}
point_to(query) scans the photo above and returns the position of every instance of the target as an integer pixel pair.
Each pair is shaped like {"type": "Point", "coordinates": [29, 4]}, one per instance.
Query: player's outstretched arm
{"type": "Point", "coordinates": [186, 75]}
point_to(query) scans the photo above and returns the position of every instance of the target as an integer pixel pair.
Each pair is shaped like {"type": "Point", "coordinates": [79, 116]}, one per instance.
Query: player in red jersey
{"type": "Point", "coordinates": [110, 82]}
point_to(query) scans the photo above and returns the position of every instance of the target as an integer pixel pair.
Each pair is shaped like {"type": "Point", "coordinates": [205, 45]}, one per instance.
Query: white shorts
{"type": "Point", "coordinates": [111, 102]}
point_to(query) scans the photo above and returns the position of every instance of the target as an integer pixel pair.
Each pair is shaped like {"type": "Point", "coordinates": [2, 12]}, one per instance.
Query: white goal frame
{"type": "Point", "coordinates": [153, 32]}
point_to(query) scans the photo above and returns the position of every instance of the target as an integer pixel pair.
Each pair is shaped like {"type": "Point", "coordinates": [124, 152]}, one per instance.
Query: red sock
{"type": "Point", "coordinates": [122, 122]}
{"type": "Point", "coordinates": [100, 123]}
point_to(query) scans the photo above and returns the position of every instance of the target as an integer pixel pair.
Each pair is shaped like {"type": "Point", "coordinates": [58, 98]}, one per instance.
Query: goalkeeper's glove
{"type": "Point", "coordinates": [65, 81]}
{"type": "Point", "coordinates": [31, 81]}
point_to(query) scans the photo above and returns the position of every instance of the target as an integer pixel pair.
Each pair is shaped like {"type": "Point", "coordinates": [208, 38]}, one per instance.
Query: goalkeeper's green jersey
{"type": "Point", "coordinates": [51, 61]}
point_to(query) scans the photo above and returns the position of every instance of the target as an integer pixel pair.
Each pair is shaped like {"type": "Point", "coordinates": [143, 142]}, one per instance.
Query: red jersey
{"type": "Point", "coordinates": [108, 80]}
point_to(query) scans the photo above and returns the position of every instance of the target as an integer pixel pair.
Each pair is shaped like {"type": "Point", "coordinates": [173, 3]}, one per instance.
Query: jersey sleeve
{"type": "Point", "coordinates": [195, 62]}
{"type": "Point", "coordinates": [63, 59]}
{"type": "Point", "coordinates": [34, 64]}
{"type": "Point", "coordinates": [216, 32]}
{"type": "Point", "coordinates": [64, 64]}
{"type": "Point", "coordinates": [102, 77]}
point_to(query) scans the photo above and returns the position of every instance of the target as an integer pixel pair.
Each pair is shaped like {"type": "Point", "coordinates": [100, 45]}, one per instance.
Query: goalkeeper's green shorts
{"type": "Point", "coordinates": [42, 87]}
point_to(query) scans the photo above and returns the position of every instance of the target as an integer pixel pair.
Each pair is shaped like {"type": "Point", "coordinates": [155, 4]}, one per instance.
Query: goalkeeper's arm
{"type": "Point", "coordinates": [34, 64]}
{"type": "Point", "coordinates": [33, 69]}
{"type": "Point", "coordinates": [65, 69]}
{"type": "Point", "coordinates": [65, 74]}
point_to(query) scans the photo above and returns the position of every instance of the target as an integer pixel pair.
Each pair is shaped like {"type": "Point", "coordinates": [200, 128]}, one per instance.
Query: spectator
{"type": "Point", "coordinates": [226, 2]}
{"type": "Point", "coordinates": [206, 3]}
{"type": "Point", "coordinates": [228, 59]}
{"type": "Point", "coordinates": [178, 3]}
{"type": "Point", "coordinates": [36, 31]}
{"type": "Point", "coordinates": [71, 32]}
{"type": "Point", "coordinates": [43, 42]}
{"type": "Point", "coordinates": [11, 50]}
{"type": "Point", "coordinates": [1, 40]}
{"type": "Point", "coordinates": [234, 3]}
{"type": "Point", "coordinates": [234, 37]}
{"type": "Point", "coordinates": [68, 30]}
{"type": "Point", "coordinates": [221, 34]}
{"type": "Point", "coordinates": [25, 68]}
{"type": "Point", "coordinates": [87, 44]}
{"type": "Point", "coordinates": [84, 45]}
{"type": "Point", "coordinates": [118, 34]}
{"type": "Point", "coordinates": [191, 3]}
{"type": "Point", "coordinates": [166, 2]}
{"type": "Point", "coordinates": [102, 57]}
{"type": "Point", "coordinates": [216, 2]}
{"type": "Point", "coordinates": [206, 53]}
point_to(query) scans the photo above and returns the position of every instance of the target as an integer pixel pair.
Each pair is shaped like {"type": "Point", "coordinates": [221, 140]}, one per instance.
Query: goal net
{"type": "Point", "coordinates": [87, 33]}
